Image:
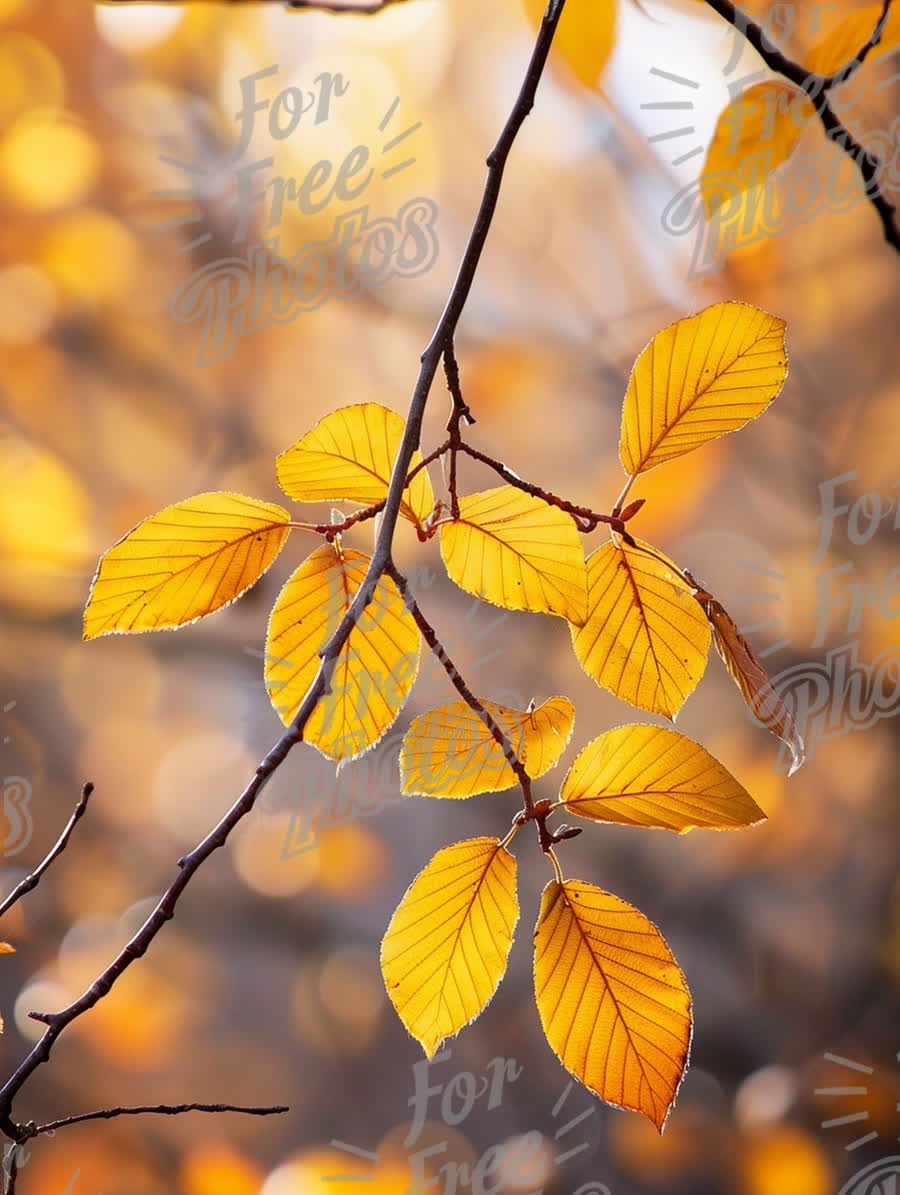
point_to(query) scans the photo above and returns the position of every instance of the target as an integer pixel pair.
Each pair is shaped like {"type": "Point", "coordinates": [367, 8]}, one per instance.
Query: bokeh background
{"type": "Point", "coordinates": [266, 987]}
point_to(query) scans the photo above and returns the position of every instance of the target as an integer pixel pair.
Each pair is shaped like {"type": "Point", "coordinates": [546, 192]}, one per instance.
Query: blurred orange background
{"type": "Point", "coordinates": [266, 988]}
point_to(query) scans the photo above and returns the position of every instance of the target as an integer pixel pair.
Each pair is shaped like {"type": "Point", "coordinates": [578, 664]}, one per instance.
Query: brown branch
{"type": "Point", "coordinates": [31, 881]}
{"type": "Point", "coordinates": [380, 562]}
{"type": "Point", "coordinates": [37, 1130]}
{"type": "Point", "coordinates": [816, 88]}
{"type": "Point", "coordinates": [587, 520]}
{"type": "Point", "coordinates": [532, 811]}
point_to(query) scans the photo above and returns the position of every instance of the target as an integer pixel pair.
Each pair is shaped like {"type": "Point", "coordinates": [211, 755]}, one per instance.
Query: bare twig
{"type": "Point", "coordinates": [380, 562]}
{"type": "Point", "coordinates": [430, 636]}
{"type": "Point", "coordinates": [816, 88]}
{"type": "Point", "coordinates": [585, 518]}
{"type": "Point", "coordinates": [532, 811]}
{"type": "Point", "coordinates": [38, 1130]}
{"type": "Point", "coordinates": [31, 881]}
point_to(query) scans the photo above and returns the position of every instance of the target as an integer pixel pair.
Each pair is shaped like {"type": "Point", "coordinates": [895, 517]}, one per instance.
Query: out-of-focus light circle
{"type": "Point", "coordinates": [214, 1168]}
{"type": "Point", "coordinates": [48, 161]}
{"type": "Point", "coordinates": [307, 1174]}
{"type": "Point", "coordinates": [262, 860]}
{"type": "Point", "coordinates": [90, 255]}
{"type": "Point", "coordinates": [765, 1096]}
{"type": "Point", "coordinates": [13, 8]}
{"type": "Point", "coordinates": [785, 1159]}
{"type": "Point", "coordinates": [41, 995]}
{"type": "Point", "coordinates": [27, 304]}
{"type": "Point", "coordinates": [525, 1162]}
{"type": "Point", "coordinates": [133, 28]}
{"type": "Point", "coordinates": [32, 76]}
{"type": "Point", "coordinates": [194, 779]}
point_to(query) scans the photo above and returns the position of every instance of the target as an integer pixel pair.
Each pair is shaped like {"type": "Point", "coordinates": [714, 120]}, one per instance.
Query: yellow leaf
{"type": "Point", "coordinates": [5, 948]}
{"type": "Point", "coordinates": [349, 455]}
{"type": "Point", "coordinates": [645, 638]}
{"type": "Point", "coordinates": [585, 36]}
{"type": "Point", "coordinates": [767, 705]}
{"type": "Point", "coordinates": [613, 1002]}
{"type": "Point", "coordinates": [652, 776]}
{"type": "Point", "coordinates": [375, 669]}
{"type": "Point", "coordinates": [449, 752]}
{"type": "Point", "coordinates": [517, 552]}
{"type": "Point", "coordinates": [754, 135]}
{"type": "Point", "coordinates": [699, 378]}
{"type": "Point", "coordinates": [187, 561]}
{"type": "Point", "coordinates": [446, 947]}
{"type": "Point", "coordinates": [842, 44]}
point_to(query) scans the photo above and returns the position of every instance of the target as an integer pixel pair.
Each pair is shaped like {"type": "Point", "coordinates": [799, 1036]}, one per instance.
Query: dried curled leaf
{"type": "Point", "coordinates": [449, 752]}
{"type": "Point", "coordinates": [183, 563]}
{"type": "Point", "coordinates": [652, 776]}
{"type": "Point", "coordinates": [349, 455]}
{"type": "Point", "coordinates": [699, 378]}
{"type": "Point", "coordinates": [517, 552]}
{"type": "Point", "coordinates": [376, 667]}
{"type": "Point", "coordinates": [612, 1000]}
{"type": "Point", "coordinates": [766, 704]}
{"type": "Point", "coordinates": [644, 639]}
{"type": "Point", "coordinates": [755, 134]}
{"type": "Point", "coordinates": [446, 948]}
{"type": "Point", "coordinates": [585, 37]}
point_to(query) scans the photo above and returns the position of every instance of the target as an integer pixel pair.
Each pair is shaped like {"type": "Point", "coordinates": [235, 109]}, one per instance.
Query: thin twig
{"type": "Point", "coordinates": [430, 636]}
{"type": "Point", "coordinates": [816, 88]}
{"type": "Point", "coordinates": [586, 519]}
{"type": "Point", "coordinates": [380, 561]}
{"type": "Point", "coordinates": [52, 1126]}
{"type": "Point", "coordinates": [31, 881]}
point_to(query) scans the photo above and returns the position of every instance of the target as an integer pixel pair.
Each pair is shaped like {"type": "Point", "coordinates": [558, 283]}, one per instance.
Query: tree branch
{"type": "Point", "coordinates": [37, 1130]}
{"type": "Point", "coordinates": [586, 519]}
{"type": "Point", "coordinates": [381, 560]}
{"type": "Point", "coordinates": [430, 636]}
{"type": "Point", "coordinates": [816, 88]}
{"type": "Point", "coordinates": [31, 881]}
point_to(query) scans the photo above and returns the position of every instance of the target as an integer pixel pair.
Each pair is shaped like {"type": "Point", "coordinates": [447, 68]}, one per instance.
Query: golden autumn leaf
{"type": "Point", "coordinates": [446, 947]}
{"type": "Point", "coordinates": [766, 704]}
{"type": "Point", "coordinates": [517, 552]}
{"type": "Point", "coordinates": [842, 44]}
{"type": "Point", "coordinates": [612, 1000]}
{"type": "Point", "coordinates": [652, 776]}
{"type": "Point", "coordinates": [375, 669]}
{"type": "Point", "coordinates": [187, 561]}
{"type": "Point", "coordinates": [699, 378]}
{"type": "Point", "coordinates": [5, 948]}
{"type": "Point", "coordinates": [754, 135]}
{"type": "Point", "coordinates": [645, 637]}
{"type": "Point", "coordinates": [449, 752]}
{"type": "Point", "coordinates": [585, 37]}
{"type": "Point", "coordinates": [349, 454]}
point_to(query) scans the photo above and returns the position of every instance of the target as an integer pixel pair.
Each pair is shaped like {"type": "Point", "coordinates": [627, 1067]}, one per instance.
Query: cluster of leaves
{"type": "Point", "coordinates": [614, 1004]}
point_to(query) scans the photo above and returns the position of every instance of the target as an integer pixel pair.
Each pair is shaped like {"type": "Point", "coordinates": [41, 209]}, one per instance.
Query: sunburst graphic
{"type": "Point", "coordinates": [854, 1090]}
{"type": "Point", "coordinates": [679, 105]}
{"type": "Point", "coordinates": [565, 1150]}
{"type": "Point", "coordinates": [206, 180]}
